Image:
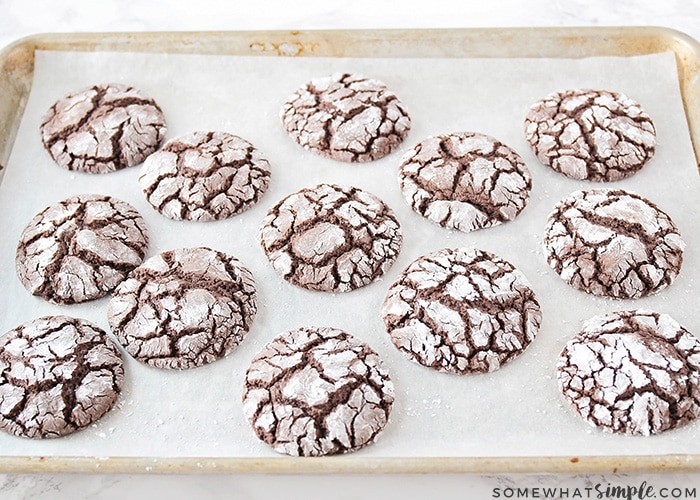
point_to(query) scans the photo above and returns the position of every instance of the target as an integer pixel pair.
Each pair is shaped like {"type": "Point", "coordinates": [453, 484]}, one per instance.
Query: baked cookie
{"type": "Point", "coordinates": [102, 128]}
{"type": "Point", "coordinates": [613, 243]}
{"type": "Point", "coordinates": [594, 135]}
{"type": "Point", "coordinates": [317, 391]}
{"type": "Point", "coordinates": [465, 181]}
{"type": "Point", "coordinates": [204, 176]}
{"type": "Point", "coordinates": [80, 248]}
{"type": "Point", "coordinates": [632, 372]}
{"type": "Point", "coordinates": [57, 375]}
{"type": "Point", "coordinates": [183, 308]}
{"type": "Point", "coordinates": [331, 238]}
{"type": "Point", "coordinates": [346, 117]}
{"type": "Point", "coordinates": [461, 311]}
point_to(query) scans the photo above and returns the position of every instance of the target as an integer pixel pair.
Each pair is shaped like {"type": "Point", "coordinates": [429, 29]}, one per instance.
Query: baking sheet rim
{"type": "Point", "coordinates": [348, 464]}
{"type": "Point", "coordinates": [601, 42]}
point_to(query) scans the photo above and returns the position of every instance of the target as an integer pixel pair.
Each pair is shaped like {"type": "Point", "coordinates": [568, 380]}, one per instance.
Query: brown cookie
{"type": "Point", "coordinates": [465, 181]}
{"type": "Point", "coordinates": [346, 117]}
{"type": "Point", "coordinates": [591, 134]}
{"type": "Point", "coordinates": [632, 372]}
{"type": "Point", "coordinates": [613, 243]}
{"type": "Point", "coordinates": [204, 176]}
{"type": "Point", "coordinates": [102, 128]}
{"type": "Point", "coordinates": [461, 311]}
{"type": "Point", "coordinates": [183, 308]}
{"type": "Point", "coordinates": [317, 391]}
{"type": "Point", "coordinates": [57, 375]}
{"type": "Point", "coordinates": [80, 248]}
{"type": "Point", "coordinates": [331, 238]}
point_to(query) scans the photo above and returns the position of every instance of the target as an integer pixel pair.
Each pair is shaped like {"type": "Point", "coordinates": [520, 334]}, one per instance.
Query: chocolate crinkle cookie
{"type": "Point", "coordinates": [184, 308]}
{"type": "Point", "coordinates": [57, 375]}
{"type": "Point", "coordinates": [461, 311]}
{"type": "Point", "coordinates": [632, 372]}
{"type": "Point", "coordinates": [81, 248]}
{"type": "Point", "coordinates": [346, 117]}
{"type": "Point", "coordinates": [465, 181]}
{"type": "Point", "coordinates": [613, 243]}
{"type": "Point", "coordinates": [317, 391]}
{"type": "Point", "coordinates": [204, 176]}
{"type": "Point", "coordinates": [103, 128]}
{"type": "Point", "coordinates": [331, 238]}
{"type": "Point", "coordinates": [593, 135]}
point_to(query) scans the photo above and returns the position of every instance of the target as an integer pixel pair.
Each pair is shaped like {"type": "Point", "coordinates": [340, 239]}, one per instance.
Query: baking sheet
{"type": "Point", "coordinates": [516, 411]}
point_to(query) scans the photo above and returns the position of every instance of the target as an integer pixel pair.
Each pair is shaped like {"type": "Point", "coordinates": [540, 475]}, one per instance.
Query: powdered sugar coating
{"type": "Point", "coordinates": [81, 248]}
{"type": "Point", "coordinates": [331, 238]}
{"type": "Point", "coordinates": [346, 117]}
{"type": "Point", "coordinates": [587, 134]}
{"type": "Point", "coordinates": [465, 181]}
{"type": "Point", "coordinates": [57, 375]}
{"type": "Point", "coordinates": [632, 372]}
{"type": "Point", "coordinates": [184, 308]}
{"type": "Point", "coordinates": [317, 391]}
{"type": "Point", "coordinates": [613, 243]}
{"type": "Point", "coordinates": [461, 311]}
{"type": "Point", "coordinates": [204, 176]}
{"type": "Point", "coordinates": [103, 128]}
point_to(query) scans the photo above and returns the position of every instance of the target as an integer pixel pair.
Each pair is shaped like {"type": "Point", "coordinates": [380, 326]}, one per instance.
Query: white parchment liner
{"type": "Point", "coordinates": [516, 411]}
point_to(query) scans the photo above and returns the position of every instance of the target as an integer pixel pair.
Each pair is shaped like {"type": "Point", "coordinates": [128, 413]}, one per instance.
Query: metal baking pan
{"type": "Point", "coordinates": [17, 61]}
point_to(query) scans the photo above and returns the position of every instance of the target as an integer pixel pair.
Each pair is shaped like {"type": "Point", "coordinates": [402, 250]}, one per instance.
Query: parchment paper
{"type": "Point", "coordinates": [516, 411]}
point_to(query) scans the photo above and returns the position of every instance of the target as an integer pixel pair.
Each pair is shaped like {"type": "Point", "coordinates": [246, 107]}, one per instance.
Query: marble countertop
{"type": "Point", "coordinates": [19, 18]}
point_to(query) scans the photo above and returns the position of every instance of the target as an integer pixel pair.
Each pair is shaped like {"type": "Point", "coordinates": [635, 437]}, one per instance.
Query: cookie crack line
{"type": "Point", "coordinates": [591, 152]}
{"type": "Point", "coordinates": [184, 308]}
{"type": "Point", "coordinates": [624, 227]}
{"type": "Point", "coordinates": [330, 238]}
{"type": "Point", "coordinates": [80, 248]}
{"type": "Point", "coordinates": [593, 243]}
{"type": "Point", "coordinates": [66, 359]}
{"type": "Point", "coordinates": [102, 129]}
{"type": "Point", "coordinates": [465, 181]}
{"type": "Point", "coordinates": [325, 424]}
{"type": "Point", "coordinates": [72, 128]}
{"type": "Point", "coordinates": [346, 117]}
{"type": "Point", "coordinates": [352, 241]}
{"type": "Point", "coordinates": [461, 311]}
{"type": "Point", "coordinates": [608, 134]}
{"type": "Point", "coordinates": [650, 387]}
{"type": "Point", "coordinates": [307, 347]}
{"type": "Point", "coordinates": [205, 176]}
{"type": "Point", "coordinates": [655, 385]}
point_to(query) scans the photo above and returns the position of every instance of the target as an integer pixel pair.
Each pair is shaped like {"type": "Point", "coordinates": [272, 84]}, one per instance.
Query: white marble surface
{"type": "Point", "coordinates": [19, 18]}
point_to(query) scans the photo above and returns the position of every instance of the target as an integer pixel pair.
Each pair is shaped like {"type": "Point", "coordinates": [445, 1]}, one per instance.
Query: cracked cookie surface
{"type": "Point", "coordinates": [57, 375]}
{"type": "Point", "coordinates": [331, 238]}
{"type": "Point", "coordinates": [346, 117]}
{"type": "Point", "coordinates": [184, 308]}
{"type": "Point", "coordinates": [80, 248]}
{"type": "Point", "coordinates": [632, 372]}
{"type": "Point", "coordinates": [465, 181]}
{"type": "Point", "coordinates": [613, 243]}
{"type": "Point", "coordinates": [461, 311]}
{"type": "Point", "coordinates": [102, 129]}
{"type": "Point", "coordinates": [317, 391]}
{"type": "Point", "coordinates": [204, 176]}
{"type": "Point", "coordinates": [594, 135]}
